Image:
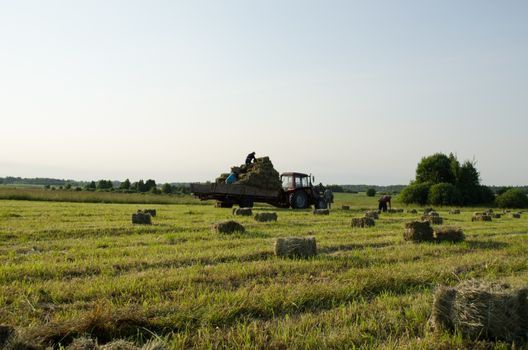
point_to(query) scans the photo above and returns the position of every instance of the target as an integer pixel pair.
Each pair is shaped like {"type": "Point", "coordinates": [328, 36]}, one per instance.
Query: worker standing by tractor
{"type": "Point", "coordinates": [383, 201]}
{"type": "Point", "coordinates": [329, 198]}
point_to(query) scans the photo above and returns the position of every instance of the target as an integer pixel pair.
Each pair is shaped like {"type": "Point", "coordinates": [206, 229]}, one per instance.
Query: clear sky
{"type": "Point", "coordinates": [351, 91]}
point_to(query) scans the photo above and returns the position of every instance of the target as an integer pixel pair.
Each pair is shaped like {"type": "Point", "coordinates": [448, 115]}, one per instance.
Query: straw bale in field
{"type": "Point", "coordinates": [262, 217]}
{"type": "Point", "coordinates": [141, 218]}
{"type": "Point", "coordinates": [428, 210]}
{"type": "Point", "coordinates": [496, 216]}
{"type": "Point", "coordinates": [303, 247]}
{"type": "Point", "coordinates": [152, 212]}
{"type": "Point", "coordinates": [345, 207]}
{"type": "Point", "coordinates": [82, 343]}
{"type": "Point", "coordinates": [242, 211]}
{"type": "Point", "coordinates": [372, 214]}
{"type": "Point", "coordinates": [481, 217]}
{"type": "Point", "coordinates": [321, 211]}
{"type": "Point", "coordinates": [516, 215]}
{"type": "Point", "coordinates": [412, 211]}
{"type": "Point", "coordinates": [6, 332]}
{"type": "Point", "coordinates": [482, 310]}
{"type": "Point", "coordinates": [418, 231]}
{"type": "Point", "coordinates": [119, 345]}
{"type": "Point", "coordinates": [449, 233]}
{"type": "Point", "coordinates": [228, 227]}
{"type": "Point", "coordinates": [363, 222]}
{"type": "Point", "coordinates": [433, 218]}
{"type": "Point", "coordinates": [454, 211]}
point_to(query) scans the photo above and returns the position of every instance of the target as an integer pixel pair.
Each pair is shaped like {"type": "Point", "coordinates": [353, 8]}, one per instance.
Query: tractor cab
{"type": "Point", "coordinates": [293, 181]}
{"type": "Point", "coordinates": [299, 191]}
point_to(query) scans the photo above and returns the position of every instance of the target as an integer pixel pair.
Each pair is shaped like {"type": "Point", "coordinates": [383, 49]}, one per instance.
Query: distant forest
{"type": "Point", "coordinates": [182, 187]}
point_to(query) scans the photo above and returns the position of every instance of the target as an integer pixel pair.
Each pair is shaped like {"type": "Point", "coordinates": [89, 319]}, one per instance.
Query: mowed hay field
{"type": "Point", "coordinates": [68, 269]}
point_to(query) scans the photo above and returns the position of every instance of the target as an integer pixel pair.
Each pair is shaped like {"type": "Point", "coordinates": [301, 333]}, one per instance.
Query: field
{"type": "Point", "coordinates": [73, 268]}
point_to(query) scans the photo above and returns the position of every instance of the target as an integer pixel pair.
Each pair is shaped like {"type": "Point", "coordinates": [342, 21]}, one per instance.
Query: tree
{"type": "Point", "coordinates": [443, 194]}
{"type": "Point", "coordinates": [435, 169]}
{"type": "Point", "coordinates": [90, 186]}
{"type": "Point", "coordinates": [416, 193]}
{"type": "Point", "coordinates": [125, 185]}
{"type": "Point", "coordinates": [371, 192]}
{"type": "Point", "coordinates": [166, 188]}
{"type": "Point", "coordinates": [512, 198]}
{"type": "Point", "coordinates": [149, 185]}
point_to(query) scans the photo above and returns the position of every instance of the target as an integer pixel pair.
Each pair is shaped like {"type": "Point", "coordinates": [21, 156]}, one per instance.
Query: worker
{"type": "Point", "coordinates": [250, 158]}
{"type": "Point", "coordinates": [383, 201]}
{"type": "Point", "coordinates": [231, 178]}
{"type": "Point", "coordinates": [329, 198]}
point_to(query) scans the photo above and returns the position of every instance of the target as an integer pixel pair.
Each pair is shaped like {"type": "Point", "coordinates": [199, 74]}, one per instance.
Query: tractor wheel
{"type": "Point", "coordinates": [299, 200]}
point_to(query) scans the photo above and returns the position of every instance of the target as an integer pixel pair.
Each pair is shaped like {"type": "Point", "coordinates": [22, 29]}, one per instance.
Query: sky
{"type": "Point", "coordinates": [349, 91]}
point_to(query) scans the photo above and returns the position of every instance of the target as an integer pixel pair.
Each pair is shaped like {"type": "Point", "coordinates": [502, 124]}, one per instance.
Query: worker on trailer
{"type": "Point", "coordinates": [250, 158]}
{"type": "Point", "coordinates": [383, 201]}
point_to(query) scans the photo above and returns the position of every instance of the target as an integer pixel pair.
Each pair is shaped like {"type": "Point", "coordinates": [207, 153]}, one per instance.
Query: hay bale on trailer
{"type": "Point", "coordinates": [418, 231]}
{"type": "Point", "coordinates": [345, 207]}
{"type": "Point", "coordinates": [363, 222]}
{"type": "Point", "coordinates": [303, 247]}
{"type": "Point", "coordinates": [321, 211]}
{"type": "Point", "coordinates": [263, 217]}
{"type": "Point", "coordinates": [372, 214]}
{"type": "Point", "coordinates": [481, 310]}
{"type": "Point", "coordinates": [454, 211]}
{"type": "Point", "coordinates": [228, 227]}
{"type": "Point", "coordinates": [152, 212]}
{"type": "Point", "coordinates": [141, 218]}
{"type": "Point", "coordinates": [481, 217]}
{"type": "Point", "coordinates": [242, 211]}
{"type": "Point", "coordinates": [449, 234]}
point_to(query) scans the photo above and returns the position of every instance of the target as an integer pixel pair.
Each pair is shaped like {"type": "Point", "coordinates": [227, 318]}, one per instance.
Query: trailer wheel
{"type": "Point", "coordinates": [299, 200]}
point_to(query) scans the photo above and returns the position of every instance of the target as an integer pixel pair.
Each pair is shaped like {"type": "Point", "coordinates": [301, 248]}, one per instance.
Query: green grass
{"type": "Point", "coordinates": [67, 268]}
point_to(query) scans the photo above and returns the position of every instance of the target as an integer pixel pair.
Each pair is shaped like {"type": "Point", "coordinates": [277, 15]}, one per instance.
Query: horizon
{"type": "Point", "coordinates": [350, 92]}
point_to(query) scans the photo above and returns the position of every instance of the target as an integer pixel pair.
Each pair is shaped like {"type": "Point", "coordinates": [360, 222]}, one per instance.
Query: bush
{"type": "Point", "coordinates": [371, 192]}
{"type": "Point", "coordinates": [444, 194]}
{"type": "Point", "coordinates": [485, 195]}
{"type": "Point", "coordinates": [416, 193]}
{"type": "Point", "coordinates": [513, 198]}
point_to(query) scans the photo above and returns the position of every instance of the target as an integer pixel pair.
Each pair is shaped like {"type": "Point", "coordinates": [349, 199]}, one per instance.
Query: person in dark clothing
{"type": "Point", "coordinates": [383, 201]}
{"type": "Point", "coordinates": [250, 158]}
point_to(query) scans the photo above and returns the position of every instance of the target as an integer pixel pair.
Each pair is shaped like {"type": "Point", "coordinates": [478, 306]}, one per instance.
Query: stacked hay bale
{"type": "Point", "coordinates": [482, 310]}
{"type": "Point", "coordinates": [454, 211]}
{"type": "Point", "coordinates": [433, 217]}
{"type": "Point", "coordinates": [418, 231]}
{"type": "Point", "coordinates": [480, 217]}
{"type": "Point", "coordinates": [363, 222]}
{"type": "Point", "coordinates": [260, 174]}
{"type": "Point", "coordinates": [321, 212]}
{"type": "Point", "coordinates": [152, 212]}
{"type": "Point", "coordinates": [263, 217]}
{"type": "Point", "coordinates": [228, 227]}
{"type": "Point", "coordinates": [345, 207]}
{"type": "Point", "coordinates": [242, 211]}
{"type": "Point", "coordinates": [372, 214]}
{"type": "Point", "coordinates": [449, 234]}
{"type": "Point", "coordinates": [292, 247]}
{"type": "Point", "coordinates": [141, 218]}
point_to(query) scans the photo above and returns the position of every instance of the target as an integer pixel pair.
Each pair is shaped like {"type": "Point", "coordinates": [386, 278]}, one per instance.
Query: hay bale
{"type": "Point", "coordinates": [82, 344]}
{"type": "Point", "coordinates": [345, 207]}
{"type": "Point", "coordinates": [363, 222]}
{"type": "Point", "coordinates": [496, 216]}
{"type": "Point", "coordinates": [242, 211]}
{"type": "Point", "coordinates": [141, 219]}
{"type": "Point", "coordinates": [152, 212]}
{"type": "Point", "coordinates": [516, 215]}
{"type": "Point", "coordinates": [263, 217]}
{"type": "Point", "coordinates": [428, 210]}
{"type": "Point", "coordinates": [481, 217]}
{"type": "Point", "coordinates": [393, 211]}
{"type": "Point", "coordinates": [418, 231]}
{"type": "Point", "coordinates": [260, 174]}
{"type": "Point", "coordinates": [412, 211]}
{"type": "Point", "coordinates": [454, 211]}
{"type": "Point", "coordinates": [433, 218]}
{"type": "Point", "coordinates": [119, 345]}
{"type": "Point", "coordinates": [372, 214]}
{"type": "Point", "coordinates": [228, 227]}
{"type": "Point", "coordinates": [481, 310]}
{"type": "Point", "coordinates": [321, 211]}
{"type": "Point", "coordinates": [449, 234]}
{"type": "Point", "coordinates": [303, 247]}
{"type": "Point", "coordinates": [6, 333]}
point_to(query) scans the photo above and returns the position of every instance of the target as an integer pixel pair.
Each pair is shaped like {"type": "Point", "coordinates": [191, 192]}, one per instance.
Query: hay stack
{"type": "Point", "coordinates": [152, 212]}
{"type": "Point", "coordinates": [263, 217]}
{"type": "Point", "coordinates": [372, 214]}
{"type": "Point", "coordinates": [260, 174]}
{"type": "Point", "coordinates": [228, 227]}
{"type": "Point", "coordinates": [321, 211]}
{"type": "Point", "coordinates": [345, 207]}
{"type": "Point", "coordinates": [418, 231]}
{"type": "Point", "coordinates": [412, 211]}
{"type": "Point", "coordinates": [481, 310]}
{"type": "Point", "coordinates": [454, 211]}
{"type": "Point", "coordinates": [449, 234]}
{"type": "Point", "coordinates": [303, 247]}
{"type": "Point", "coordinates": [516, 215]}
{"type": "Point", "coordinates": [481, 217]}
{"type": "Point", "coordinates": [141, 219]}
{"type": "Point", "coordinates": [242, 211]}
{"type": "Point", "coordinates": [363, 222]}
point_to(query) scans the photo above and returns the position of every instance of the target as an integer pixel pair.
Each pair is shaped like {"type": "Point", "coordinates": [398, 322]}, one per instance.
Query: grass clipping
{"type": "Point", "coordinates": [481, 311]}
{"type": "Point", "coordinates": [292, 247]}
